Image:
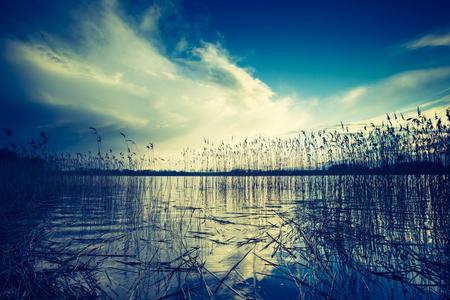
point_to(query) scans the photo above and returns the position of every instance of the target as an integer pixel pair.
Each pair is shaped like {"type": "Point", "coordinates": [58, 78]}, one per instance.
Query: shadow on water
{"type": "Point", "coordinates": [315, 237]}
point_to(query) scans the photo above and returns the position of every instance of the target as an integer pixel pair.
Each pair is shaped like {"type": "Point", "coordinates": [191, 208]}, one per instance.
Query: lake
{"type": "Point", "coordinates": [309, 237]}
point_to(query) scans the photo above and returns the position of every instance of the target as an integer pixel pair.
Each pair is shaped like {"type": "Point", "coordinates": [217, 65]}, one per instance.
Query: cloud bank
{"type": "Point", "coordinates": [123, 79]}
{"type": "Point", "coordinates": [118, 77]}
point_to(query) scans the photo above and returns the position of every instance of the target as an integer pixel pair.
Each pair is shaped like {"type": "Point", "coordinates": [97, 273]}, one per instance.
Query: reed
{"type": "Point", "coordinates": [82, 235]}
{"type": "Point", "coordinates": [398, 141]}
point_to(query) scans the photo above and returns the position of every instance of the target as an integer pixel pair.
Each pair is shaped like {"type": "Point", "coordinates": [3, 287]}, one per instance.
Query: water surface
{"type": "Point", "coordinates": [311, 237]}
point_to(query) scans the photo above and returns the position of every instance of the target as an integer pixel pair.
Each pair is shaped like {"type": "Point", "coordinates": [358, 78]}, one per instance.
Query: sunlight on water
{"type": "Point", "coordinates": [251, 237]}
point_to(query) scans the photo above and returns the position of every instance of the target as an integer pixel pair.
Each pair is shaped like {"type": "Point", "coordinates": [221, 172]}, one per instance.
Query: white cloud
{"type": "Point", "coordinates": [429, 109]}
{"type": "Point", "coordinates": [352, 96]}
{"type": "Point", "coordinates": [387, 95]}
{"type": "Point", "coordinates": [129, 84]}
{"type": "Point", "coordinates": [182, 45]}
{"type": "Point", "coordinates": [122, 80]}
{"type": "Point", "coordinates": [431, 40]}
{"type": "Point", "coordinates": [149, 22]}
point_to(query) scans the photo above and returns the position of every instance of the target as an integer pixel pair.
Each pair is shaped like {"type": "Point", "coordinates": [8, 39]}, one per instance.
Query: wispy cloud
{"type": "Point", "coordinates": [429, 109]}
{"type": "Point", "coordinates": [353, 95]}
{"type": "Point", "coordinates": [119, 76]}
{"type": "Point", "coordinates": [430, 40]}
{"type": "Point", "coordinates": [129, 83]}
{"type": "Point", "coordinates": [410, 88]}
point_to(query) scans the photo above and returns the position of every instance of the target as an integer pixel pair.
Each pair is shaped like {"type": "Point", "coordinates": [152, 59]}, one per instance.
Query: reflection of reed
{"type": "Point", "coordinates": [160, 237]}
{"type": "Point", "coordinates": [392, 227]}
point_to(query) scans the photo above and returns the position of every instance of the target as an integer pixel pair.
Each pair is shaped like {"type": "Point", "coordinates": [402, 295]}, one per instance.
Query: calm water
{"type": "Point", "coordinates": [251, 237]}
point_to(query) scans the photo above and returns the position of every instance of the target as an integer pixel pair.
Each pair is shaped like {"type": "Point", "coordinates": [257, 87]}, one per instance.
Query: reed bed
{"type": "Point", "coordinates": [398, 140]}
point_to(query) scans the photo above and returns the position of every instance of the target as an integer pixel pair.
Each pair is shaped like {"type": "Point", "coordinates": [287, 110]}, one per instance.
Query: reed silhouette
{"type": "Point", "coordinates": [414, 144]}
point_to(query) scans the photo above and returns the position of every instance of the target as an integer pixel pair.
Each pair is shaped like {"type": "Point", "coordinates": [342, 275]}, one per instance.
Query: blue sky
{"type": "Point", "coordinates": [320, 47]}
{"type": "Point", "coordinates": [174, 72]}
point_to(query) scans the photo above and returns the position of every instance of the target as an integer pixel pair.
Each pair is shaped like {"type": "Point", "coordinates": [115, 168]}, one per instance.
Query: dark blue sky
{"type": "Point", "coordinates": [321, 46]}
{"type": "Point", "coordinates": [65, 63]}
{"type": "Point", "coordinates": [316, 47]}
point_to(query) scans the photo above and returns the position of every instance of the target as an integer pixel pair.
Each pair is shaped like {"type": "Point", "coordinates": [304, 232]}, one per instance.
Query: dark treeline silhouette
{"type": "Point", "coordinates": [343, 169]}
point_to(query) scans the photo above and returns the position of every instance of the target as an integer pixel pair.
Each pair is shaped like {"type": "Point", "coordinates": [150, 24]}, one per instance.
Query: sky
{"type": "Point", "coordinates": [175, 72]}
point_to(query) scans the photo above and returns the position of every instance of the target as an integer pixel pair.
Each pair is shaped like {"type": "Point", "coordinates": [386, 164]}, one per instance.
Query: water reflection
{"type": "Point", "coordinates": [250, 237]}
